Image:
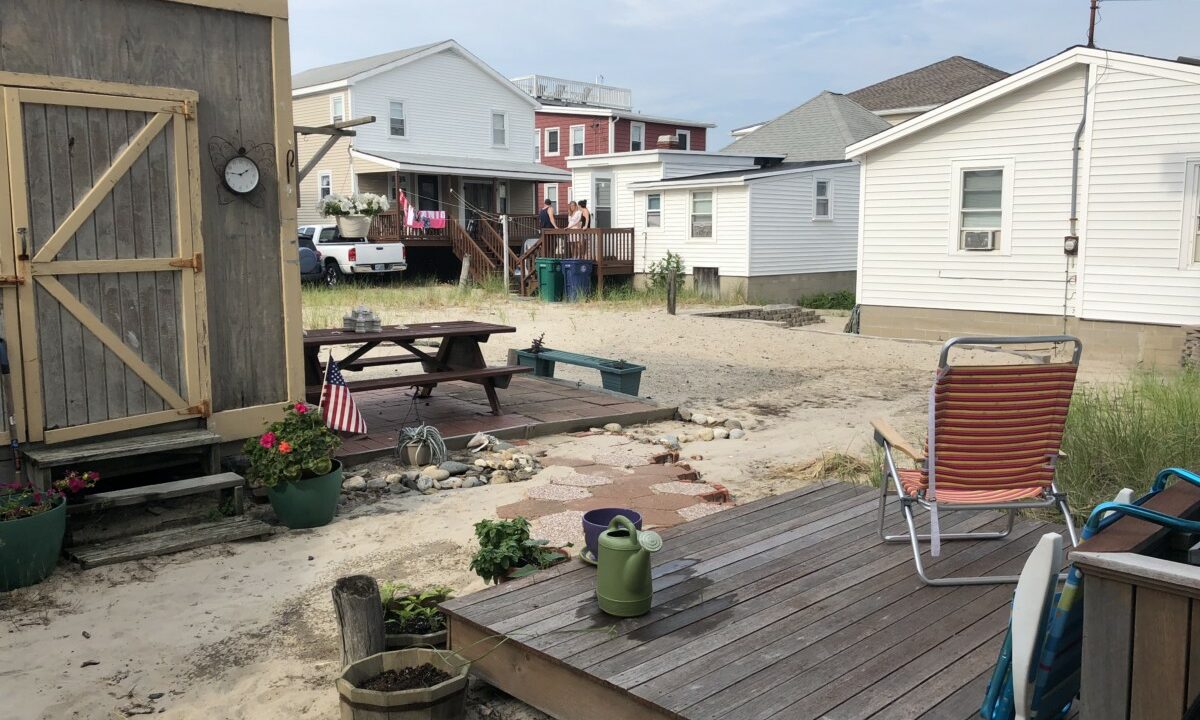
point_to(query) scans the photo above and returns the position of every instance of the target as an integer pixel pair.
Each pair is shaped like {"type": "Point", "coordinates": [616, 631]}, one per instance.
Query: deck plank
{"type": "Point", "coordinates": [789, 607]}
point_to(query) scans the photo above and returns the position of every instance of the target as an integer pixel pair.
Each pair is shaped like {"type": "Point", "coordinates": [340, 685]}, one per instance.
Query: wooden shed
{"type": "Point", "coordinates": [141, 293]}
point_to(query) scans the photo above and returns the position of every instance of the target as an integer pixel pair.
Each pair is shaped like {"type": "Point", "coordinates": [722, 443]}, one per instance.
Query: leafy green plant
{"type": "Point", "coordinates": [416, 612]}
{"type": "Point", "coordinates": [298, 446]}
{"type": "Point", "coordinates": [505, 546]}
{"type": "Point", "coordinates": [843, 300]}
{"type": "Point", "coordinates": [660, 270]}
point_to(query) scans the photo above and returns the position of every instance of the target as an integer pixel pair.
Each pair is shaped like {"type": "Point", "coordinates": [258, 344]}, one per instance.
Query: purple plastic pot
{"type": "Point", "coordinates": [596, 521]}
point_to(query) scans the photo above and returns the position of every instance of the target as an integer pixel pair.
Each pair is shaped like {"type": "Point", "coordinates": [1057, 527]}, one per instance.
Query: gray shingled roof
{"type": "Point", "coordinates": [820, 129]}
{"type": "Point", "coordinates": [350, 68]}
{"type": "Point", "coordinates": [934, 84]}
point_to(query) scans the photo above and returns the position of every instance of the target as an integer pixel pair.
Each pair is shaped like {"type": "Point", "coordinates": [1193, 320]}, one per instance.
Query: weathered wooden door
{"type": "Point", "coordinates": [105, 261]}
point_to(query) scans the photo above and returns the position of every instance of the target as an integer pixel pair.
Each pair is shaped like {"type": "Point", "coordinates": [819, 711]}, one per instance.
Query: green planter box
{"type": "Point", "coordinates": [310, 502]}
{"type": "Point", "coordinates": [29, 547]}
{"type": "Point", "coordinates": [615, 375]}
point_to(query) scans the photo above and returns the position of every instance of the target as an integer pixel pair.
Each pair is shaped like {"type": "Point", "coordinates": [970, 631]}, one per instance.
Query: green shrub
{"type": "Point", "coordinates": [1121, 435]}
{"type": "Point", "coordinates": [659, 270]}
{"type": "Point", "coordinates": [843, 300]}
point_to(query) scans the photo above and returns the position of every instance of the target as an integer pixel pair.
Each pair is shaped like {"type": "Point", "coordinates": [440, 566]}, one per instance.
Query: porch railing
{"type": "Point", "coordinates": [612, 249]}
{"type": "Point", "coordinates": [389, 227]}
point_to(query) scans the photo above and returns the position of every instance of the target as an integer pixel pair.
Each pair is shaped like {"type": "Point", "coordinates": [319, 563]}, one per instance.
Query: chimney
{"type": "Point", "coordinates": [668, 142]}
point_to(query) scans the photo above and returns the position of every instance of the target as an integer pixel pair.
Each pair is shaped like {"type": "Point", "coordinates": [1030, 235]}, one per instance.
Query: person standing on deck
{"type": "Point", "coordinates": [587, 214]}
{"type": "Point", "coordinates": [546, 219]}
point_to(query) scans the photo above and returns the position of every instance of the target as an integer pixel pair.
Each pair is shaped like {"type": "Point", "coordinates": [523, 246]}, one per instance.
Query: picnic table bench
{"type": "Point", "coordinates": [458, 357]}
{"type": "Point", "coordinates": [616, 375]}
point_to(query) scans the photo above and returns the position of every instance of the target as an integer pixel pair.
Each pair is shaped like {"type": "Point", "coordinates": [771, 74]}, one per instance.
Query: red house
{"type": "Point", "coordinates": [581, 118]}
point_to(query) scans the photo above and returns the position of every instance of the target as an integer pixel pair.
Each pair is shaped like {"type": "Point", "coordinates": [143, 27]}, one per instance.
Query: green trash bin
{"type": "Point", "coordinates": [550, 279]}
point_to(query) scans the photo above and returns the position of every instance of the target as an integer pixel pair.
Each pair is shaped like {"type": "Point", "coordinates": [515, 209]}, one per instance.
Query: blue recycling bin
{"type": "Point", "coordinates": [577, 279]}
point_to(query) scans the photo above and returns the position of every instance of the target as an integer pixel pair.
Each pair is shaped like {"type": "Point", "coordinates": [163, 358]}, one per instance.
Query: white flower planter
{"type": "Point", "coordinates": [354, 226]}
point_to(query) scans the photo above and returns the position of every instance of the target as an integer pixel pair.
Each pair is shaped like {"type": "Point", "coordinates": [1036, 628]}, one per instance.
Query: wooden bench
{"type": "Point", "coordinates": [165, 491]}
{"type": "Point", "coordinates": [384, 361]}
{"type": "Point", "coordinates": [489, 377]}
{"type": "Point", "coordinates": [616, 375]}
{"type": "Point", "coordinates": [40, 460]}
{"type": "Point", "coordinates": [167, 541]}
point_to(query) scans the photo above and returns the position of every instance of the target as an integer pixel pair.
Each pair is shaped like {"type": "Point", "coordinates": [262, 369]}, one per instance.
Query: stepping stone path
{"type": "Point", "coordinates": [598, 471]}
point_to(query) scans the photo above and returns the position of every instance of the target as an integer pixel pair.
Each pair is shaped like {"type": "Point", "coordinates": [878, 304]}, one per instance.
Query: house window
{"type": "Point", "coordinates": [550, 192]}
{"type": "Point", "coordinates": [685, 139]}
{"type": "Point", "coordinates": [637, 136]}
{"type": "Point", "coordinates": [396, 116]}
{"type": "Point", "coordinates": [602, 203]}
{"type": "Point", "coordinates": [499, 129]}
{"type": "Point", "coordinates": [552, 141]}
{"type": "Point", "coordinates": [576, 140]}
{"type": "Point", "coordinates": [822, 199]}
{"type": "Point", "coordinates": [337, 108]}
{"type": "Point", "coordinates": [537, 147]}
{"type": "Point", "coordinates": [324, 186]}
{"type": "Point", "coordinates": [654, 210]}
{"type": "Point", "coordinates": [981, 209]}
{"type": "Point", "coordinates": [502, 197]}
{"type": "Point", "coordinates": [702, 214]}
{"type": "Point", "coordinates": [570, 194]}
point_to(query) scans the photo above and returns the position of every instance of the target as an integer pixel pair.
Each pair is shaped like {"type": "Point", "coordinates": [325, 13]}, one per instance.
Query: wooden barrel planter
{"type": "Point", "coordinates": [444, 701]}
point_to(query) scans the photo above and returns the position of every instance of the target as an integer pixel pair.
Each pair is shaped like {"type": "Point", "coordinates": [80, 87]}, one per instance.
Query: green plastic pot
{"type": "Point", "coordinates": [310, 502]}
{"type": "Point", "coordinates": [30, 546]}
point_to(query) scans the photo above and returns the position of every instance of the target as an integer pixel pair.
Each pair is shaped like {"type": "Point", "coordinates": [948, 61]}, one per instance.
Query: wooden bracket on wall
{"type": "Point", "coordinates": [195, 262]}
{"type": "Point", "coordinates": [203, 409]}
{"type": "Point", "coordinates": [336, 131]}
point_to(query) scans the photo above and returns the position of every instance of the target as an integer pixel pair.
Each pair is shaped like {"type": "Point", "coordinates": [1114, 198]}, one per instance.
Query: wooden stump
{"type": "Point", "coordinates": [671, 290]}
{"type": "Point", "coordinates": [359, 617]}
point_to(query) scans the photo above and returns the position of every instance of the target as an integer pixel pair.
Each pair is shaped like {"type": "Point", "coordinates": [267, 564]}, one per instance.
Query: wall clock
{"type": "Point", "coordinates": [241, 170]}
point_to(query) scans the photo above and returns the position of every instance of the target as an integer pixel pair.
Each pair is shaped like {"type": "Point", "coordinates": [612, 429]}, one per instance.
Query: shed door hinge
{"type": "Point", "coordinates": [11, 280]}
{"type": "Point", "coordinates": [195, 262]}
{"type": "Point", "coordinates": [203, 409]}
{"type": "Point", "coordinates": [188, 109]}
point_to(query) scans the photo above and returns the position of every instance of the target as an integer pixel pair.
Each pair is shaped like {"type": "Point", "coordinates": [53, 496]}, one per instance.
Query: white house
{"type": "Point", "coordinates": [450, 131]}
{"type": "Point", "coordinates": [1063, 197]}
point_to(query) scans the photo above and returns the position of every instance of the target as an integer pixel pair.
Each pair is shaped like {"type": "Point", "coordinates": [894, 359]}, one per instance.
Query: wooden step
{"type": "Point", "coordinates": [48, 456]}
{"type": "Point", "coordinates": [164, 542]}
{"type": "Point", "coordinates": [161, 491]}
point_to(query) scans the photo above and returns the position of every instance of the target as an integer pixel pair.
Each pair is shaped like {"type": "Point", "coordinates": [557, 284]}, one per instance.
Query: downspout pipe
{"type": "Point", "coordinates": [1075, 147]}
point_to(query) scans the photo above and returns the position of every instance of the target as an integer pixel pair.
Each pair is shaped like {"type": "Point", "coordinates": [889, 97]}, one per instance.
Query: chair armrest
{"type": "Point", "coordinates": [885, 433]}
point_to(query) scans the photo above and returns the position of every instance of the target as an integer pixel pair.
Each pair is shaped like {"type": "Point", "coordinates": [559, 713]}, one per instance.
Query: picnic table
{"type": "Point", "coordinates": [458, 357]}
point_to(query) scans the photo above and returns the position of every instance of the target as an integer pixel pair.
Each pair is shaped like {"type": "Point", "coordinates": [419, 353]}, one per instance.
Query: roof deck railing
{"type": "Point", "coordinates": [575, 92]}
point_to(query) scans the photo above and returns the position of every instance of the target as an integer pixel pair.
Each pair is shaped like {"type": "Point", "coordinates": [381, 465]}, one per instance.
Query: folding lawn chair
{"type": "Point", "coordinates": [994, 437]}
{"type": "Point", "coordinates": [1044, 644]}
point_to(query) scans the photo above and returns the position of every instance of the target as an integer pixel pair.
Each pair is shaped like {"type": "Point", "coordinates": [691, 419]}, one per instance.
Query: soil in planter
{"type": "Point", "coordinates": [409, 678]}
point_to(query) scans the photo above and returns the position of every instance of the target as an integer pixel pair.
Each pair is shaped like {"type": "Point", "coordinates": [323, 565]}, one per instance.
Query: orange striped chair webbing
{"type": "Point", "coordinates": [997, 430]}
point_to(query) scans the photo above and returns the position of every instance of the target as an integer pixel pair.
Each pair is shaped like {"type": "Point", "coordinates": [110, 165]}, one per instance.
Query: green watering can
{"type": "Point", "coordinates": [623, 586]}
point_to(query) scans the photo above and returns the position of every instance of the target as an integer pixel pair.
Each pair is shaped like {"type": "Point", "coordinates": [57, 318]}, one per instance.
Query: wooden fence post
{"type": "Point", "coordinates": [671, 292]}
{"type": "Point", "coordinates": [466, 270]}
{"type": "Point", "coordinates": [359, 617]}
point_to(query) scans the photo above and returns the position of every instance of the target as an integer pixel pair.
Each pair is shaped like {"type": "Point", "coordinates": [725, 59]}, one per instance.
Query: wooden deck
{"type": "Point", "coordinates": [788, 607]}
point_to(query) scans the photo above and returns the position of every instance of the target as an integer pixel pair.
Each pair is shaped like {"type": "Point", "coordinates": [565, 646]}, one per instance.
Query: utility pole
{"type": "Point", "coordinates": [1092, 24]}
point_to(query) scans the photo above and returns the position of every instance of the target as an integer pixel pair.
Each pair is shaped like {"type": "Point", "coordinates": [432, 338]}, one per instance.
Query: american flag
{"type": "Point", "coordinates": [337, 406]}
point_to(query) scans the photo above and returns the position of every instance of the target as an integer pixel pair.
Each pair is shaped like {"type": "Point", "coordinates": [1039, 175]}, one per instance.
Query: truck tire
{"type": "Point", "coordinates": [333, 273]}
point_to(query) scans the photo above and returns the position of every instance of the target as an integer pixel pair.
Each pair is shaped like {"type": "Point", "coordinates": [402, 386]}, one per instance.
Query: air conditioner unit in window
{"type": "Point", "coordinates": [980, 239]}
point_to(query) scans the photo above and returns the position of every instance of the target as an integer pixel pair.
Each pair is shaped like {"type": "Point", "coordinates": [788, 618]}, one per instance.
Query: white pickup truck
{"type": "Point", "coordinates": [353, 256]}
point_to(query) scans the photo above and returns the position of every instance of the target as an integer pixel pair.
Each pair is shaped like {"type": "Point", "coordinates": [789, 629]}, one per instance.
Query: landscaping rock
{"type": "Point", "coordinates": [737, 434]}
{"type": "Point", "coordinates": [686, 438]}
{"type": "Point", "coordinates": [357, 482]}
{"type": "Point", "coordinates": [669, 441]}
{"type": "Point", "coordinates": [720, 433]}
{"type": "Point", "coordinates": [454, 467]}
{"type": "Point", "coordinates": [394, 478]}
{"type": "Point", "coordinates": [500, 476]}
{"type": "Point", "coordinates": [733, 425]}
{"type": "Point", "coordinates": [613, 427]}
{"type": "Point", "coordinates": [424, 483]}
{"type": "Point", "coordinates": [376, 484]}
{"type": "Point", "coordinates": [501, 445]}
{"type": "Point", "coordinates": [435, 473]}
{"type": "Point", "coordinates": [452, 483]}
{"type": "Point", "coordinates": [684, 414]}
{"type": "Point", "coordinates": [699, 419]}
{"type": "Point", "coordinates": [398, 489]}
{"type": "Point", "coordinates": [479, 442]}
{"type": "Point", "coordinates": [473, 481]}
{"type": "Point", "coordinates": [705, 434]}
{"type": "Point", "coordinates": [481, 463]}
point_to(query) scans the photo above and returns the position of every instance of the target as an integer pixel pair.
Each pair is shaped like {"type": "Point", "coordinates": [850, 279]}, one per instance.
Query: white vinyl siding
{"type": "Point", "coordinates": [448, 111]}
{"type": "Point", "coordinates": [783, 240]}
{"type": "Point", "coordinates": [1136, 246]}
{"type": "Point", "coordinates": [909, 207]}
{"type": "Point", "coordinates": [396, 119]}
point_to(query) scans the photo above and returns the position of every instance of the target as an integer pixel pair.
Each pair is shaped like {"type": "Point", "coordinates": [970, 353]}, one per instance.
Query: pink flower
{"type": "Point", "coordinates": [267, 440]}
{"type": "Point", "coordinates": [76, 483]}
{"type": "Point", "coordinates": [300, 408]}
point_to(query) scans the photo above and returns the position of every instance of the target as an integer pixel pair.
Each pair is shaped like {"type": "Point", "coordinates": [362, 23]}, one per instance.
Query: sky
{"type": "Point", "coordinates": [736, 62]}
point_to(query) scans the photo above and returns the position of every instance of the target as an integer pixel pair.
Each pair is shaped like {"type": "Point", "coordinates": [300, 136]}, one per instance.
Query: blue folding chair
{"type": "Point", "coordinates": [1044, 643]}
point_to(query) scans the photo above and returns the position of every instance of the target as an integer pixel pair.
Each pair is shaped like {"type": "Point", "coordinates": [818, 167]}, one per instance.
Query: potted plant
{"type": "Point", "coordinates": [531, 357]}
{"type": "Point", "coordinates": [506, 551]}
{"type": "Point", "coordinates": [420, 445]}
{"type": "Point", "coordinates": [412, 619]}
{"type": "Point", "coordinates": [415, 684]}
{"type": "Point", "coordinates": [294, 461]}
{"type": "Point", "coordinates": [32, 525]}
{"type": "Point", "coordinates": [620, 376]}
{"type": "Point", "coordinates": [353, 213]}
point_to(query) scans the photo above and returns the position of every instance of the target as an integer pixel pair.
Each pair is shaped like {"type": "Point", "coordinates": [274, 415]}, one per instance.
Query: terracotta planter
{"type": "Point", "coordinates": [444, 701]}
{"type": "Point", "coordinates": [354, 226]}
{"type": "Point", "coordinates": [401, 641]}
{"type": "Point", "coordinates": [29, 547]}
{"type": "Point", "coordinates": [310, 502]}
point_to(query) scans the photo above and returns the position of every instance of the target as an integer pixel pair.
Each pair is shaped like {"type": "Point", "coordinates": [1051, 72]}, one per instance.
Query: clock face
{"type": "Point", "coordinates": [241, 175]}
